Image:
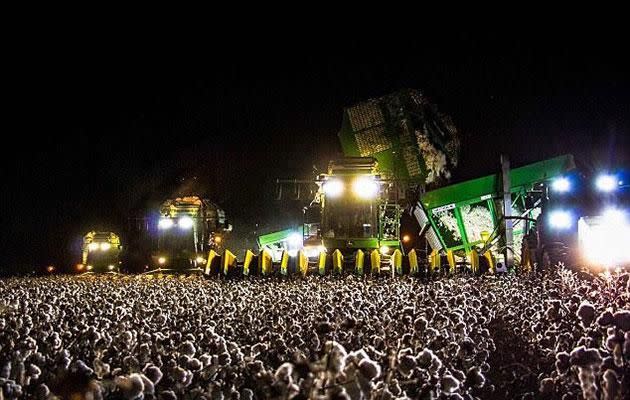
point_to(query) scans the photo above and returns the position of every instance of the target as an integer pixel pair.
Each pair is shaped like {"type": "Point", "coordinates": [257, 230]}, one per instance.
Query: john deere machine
{"type": "Point", "coordinates": [584, 221]}
{"type": "Point", "coordinates": [100, 252]}
{"type": "Point", "coordinates": [188, 228]}
{"type": "Point", "coordinates": [395, 146]}
{"type": "Point", "coordinates": [496, 216]}
{"type": "Point", "coordinates": [400, 151]}
{"type": "Point", "coordinates": [357, 210]}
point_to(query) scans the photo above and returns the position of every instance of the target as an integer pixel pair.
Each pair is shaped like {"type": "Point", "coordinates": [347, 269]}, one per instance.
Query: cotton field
{"type": "Point", "coordinates": [559, 335]}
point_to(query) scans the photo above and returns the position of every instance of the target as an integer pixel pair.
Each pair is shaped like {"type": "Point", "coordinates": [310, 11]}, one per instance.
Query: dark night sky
{"type": "Point", "coordinates": [100, 134]}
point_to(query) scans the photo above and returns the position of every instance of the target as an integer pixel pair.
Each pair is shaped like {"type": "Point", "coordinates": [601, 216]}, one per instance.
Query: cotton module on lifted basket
{"type": "Point", "coordinates": [584, 221]}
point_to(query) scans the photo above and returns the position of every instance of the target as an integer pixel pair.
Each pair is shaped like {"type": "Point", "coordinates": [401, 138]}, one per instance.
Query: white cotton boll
{"type": "Point", "coordinates": [622, 320]}
{"type": "Point", "coordinates": [131, 387]}
{"type": "Point", "coordinates": [283, 373]}
{"type": "Point", "coordinates": [583, 357]}
{"type": "Point", "coordinates": [547, 387]}
{"type": "Point", "coordinates": [144, 350]}
{"type": "Point", "coordinates": [100, 368]}
{"type": "Point", "coordinates": [179, 374]}
{"type": "Point", "coordinates": [605, 318]}
{"type": "Point", "coordinates": [259, 348]}
{"type": "Point", "coordinates": [475, 378]}
{"type": "Point", "coordinates": [369, 369]}
{"type": "Point", "coordinates": [247, 394]}
{"type": "Point", "coordinates": [34, 371]}
{"type": "Point", "coordinates": [149, 388]}
{"type": "Point", "coordinates": [126, 337]}
{"type": "Point", "coordinates": [610, 385]}
{"type": "Point", "coordinates": [586, 313]}
{"type": "Point", "coordinates": [336, 356]}
{"type": "Point", "coordinates": [358, 355]}
{"type": "Point", "coordinates": [449, 383]}
{"type": "Point", "coordinates": [64, 362]}
{"type": "Point", "coordinates": [406, 364]}
{"type": "Point", "coordinates": [82, 368]}
{"type": "Point", "coordinates": [187, 348]}
{"type": "Point", "coordinates": [42, 392]}
{"type": "Point", "coordinates": [194, 364]}
{"type": "Point", "coordinates": [167, 395]}
{"type": "Point", "coordinates": [5, 372]}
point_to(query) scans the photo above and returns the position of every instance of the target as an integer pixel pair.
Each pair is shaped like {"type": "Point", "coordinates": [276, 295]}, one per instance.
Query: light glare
{"type": "Point", "coordinates": [295, 239]}
{"type": "Point", "coordinates": [561, 185]}
{"type": "Point", "coordinates": [333, 187]}
{"type": "Point", "coordinates": [365, 187]}
{"type": "Point", "coordinates": [560, 219]}
{"type": "Point", "coordinates": [606, 183]}
{"type": "Point", "coordinates": [185, 223]}
{"type": "Point", "coordinates": [165, 223]}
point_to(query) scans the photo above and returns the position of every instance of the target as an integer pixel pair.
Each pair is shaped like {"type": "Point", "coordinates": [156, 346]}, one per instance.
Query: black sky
{"type": "Point", "coordinates": [98, 135]}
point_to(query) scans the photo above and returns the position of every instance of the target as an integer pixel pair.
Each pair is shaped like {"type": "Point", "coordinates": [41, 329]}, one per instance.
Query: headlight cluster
{"type": "Point", "coordinates": [184, 223]}
{"type": "Point", "coordinates": [103, 246]}
{"type": "Point", "coordinates": [604, 183]}
{"type": "Point", "coordinates": [364, 187]}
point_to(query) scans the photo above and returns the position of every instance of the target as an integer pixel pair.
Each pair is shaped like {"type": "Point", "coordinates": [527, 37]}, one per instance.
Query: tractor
{"type": "Point", "coordinates": [100, 252]}
{"type": "Point", "coordinates": [188, 228]}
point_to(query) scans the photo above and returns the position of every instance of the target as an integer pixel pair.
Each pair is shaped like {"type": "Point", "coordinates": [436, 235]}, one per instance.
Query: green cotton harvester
{"type": "Point", "coordinates": [394, 147]}
{"type": "Point", "coordinates": [468, 224]}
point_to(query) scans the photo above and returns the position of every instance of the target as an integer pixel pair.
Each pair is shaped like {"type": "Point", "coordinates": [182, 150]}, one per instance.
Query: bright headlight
{"type": "Point", "coordinates": [295, 240]}
{"type": "Point", "coordinates": [110, 267]}
{"type": "Point", "coordinates": [185, 223]}
{"type": "Point", "coordinates": [561, 185]}
{"type": "Point", "coordinates": [560, 219]}
{"type": "Point", "coordinates": [200, 260]}
{"type": "Point", "coordinates": [162, 260]}
{"type": "Point", "coordinates": [333, 187]}
{"type": "Point", "coordinates": [165, 223]}
{"type": "Point", "coordinates": [365, 187]}
{"type": "Point", "coordinates": [604, 240]}
{"type": "Point", "coordinates": [384, 250]}
{"type": "Point", "coordinates": [93, 246]}
{"type": "Point", "coordinates": [606, 183]}
{"type": "Point", "coordinates": [105, 246]}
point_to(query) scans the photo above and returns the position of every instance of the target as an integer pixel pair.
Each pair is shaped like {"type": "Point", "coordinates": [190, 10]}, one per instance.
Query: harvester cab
{"type": "Point", "coordinates": [584, 221]}
{"type": "Point", "coordinates": [100, 253]}
{"type": "Point", "coordinates": [188, 229]}
{"type": "Point", "coordinates": [355, 210]}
